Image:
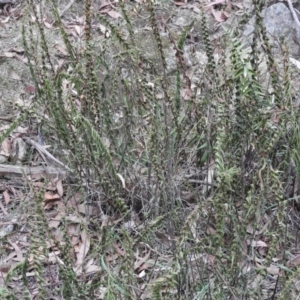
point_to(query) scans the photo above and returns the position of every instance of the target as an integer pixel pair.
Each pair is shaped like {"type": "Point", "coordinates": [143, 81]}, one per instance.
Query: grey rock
{"type": "Point", "coordinates": [279, 24]}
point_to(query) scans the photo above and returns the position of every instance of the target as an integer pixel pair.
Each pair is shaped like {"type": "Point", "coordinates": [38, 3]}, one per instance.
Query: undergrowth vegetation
{"type": "Point", "coordinates": [198, 192]}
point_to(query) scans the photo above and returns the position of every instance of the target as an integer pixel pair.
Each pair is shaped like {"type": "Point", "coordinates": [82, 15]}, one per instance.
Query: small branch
{"type": "Point", "coordinates": [66, 8]}
{"type": "Point", "coordinates": [293, 12]}
{"type": "Point", "coordinates": [19, 171]}
{"type": "Point", "coordinates": [42, 150]}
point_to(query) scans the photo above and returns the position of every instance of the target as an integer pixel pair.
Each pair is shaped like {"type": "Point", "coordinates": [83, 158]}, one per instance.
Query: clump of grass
{"type": "Point", "coordinates": [241, 138]}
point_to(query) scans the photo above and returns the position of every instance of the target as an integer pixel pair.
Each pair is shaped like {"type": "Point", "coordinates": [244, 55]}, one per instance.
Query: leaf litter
{"type": "Point", "coordinates": [56, 200]}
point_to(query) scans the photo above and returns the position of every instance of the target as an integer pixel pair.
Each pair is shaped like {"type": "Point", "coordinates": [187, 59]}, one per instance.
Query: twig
{"type": "Point", "coordinates": [42, 150]}
{"type": "Point", "coordinates": [293, 12]}
{"type": "Point", "coordinates": [19, 171]}
{"type": "Point", "coordinates": [66, 8]}
{"type": "Point", "coordinates": [228, 285]}
{"type": "Point", "coordinates": [8, 118]}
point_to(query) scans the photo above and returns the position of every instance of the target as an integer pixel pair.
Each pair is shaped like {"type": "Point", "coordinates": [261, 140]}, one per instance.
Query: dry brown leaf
{"type": "Point", "coordinates": [38, 184]}
{"type": "Point", "coordinates": [54, 258]}
{"type": "Point", "coordinates": [74, 229]}
{"type": "Point", "coordinates": [18, 149]}
{"type": "Point", "coordinates": [180, 3]}
{"type": "Point", "coordinates": [122, 180]}
{"type": "Point", "coordinates": [113, 257]}
{"type": "Point", "coordinates": [209, 177]}
{"type": "Point", "coordinates": [145, 266]}
{"type": "Point", "coordinates": [75, 200]}
{"type": "Point", "coordinates": [119, 250]}
{"type": "Point", "coordinates": [238, 5]}
{"type": "Point", "coordinates": [83, 249]}
{"type": "Point", "coordinates": [5, 150]}
{"type": "Point", "coordinates": [215, 3]}
{"type": "Point", "coordinates": [54, 222]}
{"type": "Point", "coordinates": [6, 20]}
{"type": "Point", "coordinates": [75, 219]}
{"type": "Point", "coordinates": [103, 29]}
{"type": "Point", "coordinates": [14, 12]}
{"type": "Point", "coordinates": [187, 94]}
{"type": "Point", "coordinates": [9, 256]}
{"type": "Point", "coordinates": [49, 197]}
{"type": "Point", "coordinates": [9, 54]}
{"type": "Point", "coordinates": [106, 220]}
{"type": "Point", "coordinates": [3, 209]}
{"type": "Point", "coordinates": [104, 4]}
{"type": "Point", "coordinates": [294, 262]}
{"type": "Point", "coordinates": [104, 11]}
{"type": "Point", "coordinates": [81, 208]}
{"type": "Point", "coordinates": [141, 260]}
{"type": "Point", "coordinates": [6, 197]}
{"type": "Point", "coordinates": [51, 186]}
{"type": "Point", "coordinates": [263, 251]}
{"type": "Point", "coordinates": [75, 240]}
{"type": "Point", "coordinates": [61, 49]}
{"type": "Point", "coordinates": [219, 15]}
{"type": "Point", "coordinates": [79, 30]}
{"type": "Point", "coordinates": [51, 204]}
{"type": "Point", "coordinates": [273, 270]}
{"type": "Point", "coordinates": [30, 89]}
{"type": "Point", "coordinates": [14, 191]}
{"type": "Point", "coordinates": [142, 274]}
{"type": "Point", "coordinates": [165, 239]}
{"type": "Point", "coordinates": [48, 23]}
{"type": "Point", "coordinates": [210, 258]}
{"type": "Point", "coordinates": [210, 230]}
{"type": "Point", "coordinates": [92, 269]}
{"type": "Point", "coordinates": [59, 187]}
{"type": "Point", "coordinates": [59, 237]}
{"type": "Point", "coordinates": [114, 14]}
{"type": "Point", "coordinates": [18, 251]}
{"type": "Point", "coordinates": [4, 268]}
{"type": "Point", "coordinates": [61, 208]}
{"type": "Point", "coordinates": [2, 25]}
{"type": "Point", "coordinates": [13, 75]}
{"type": "Point", "coordinates": [258, 244]}
{"type": "Point", "coordinates": [20, 51]}
{"type": "Point", "coordinates": [89, 262]}
{"type": "Point", "coordinates": [88, 209]}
